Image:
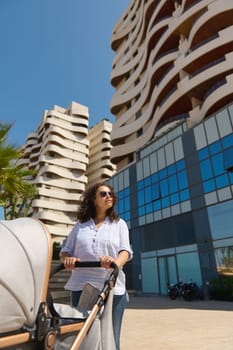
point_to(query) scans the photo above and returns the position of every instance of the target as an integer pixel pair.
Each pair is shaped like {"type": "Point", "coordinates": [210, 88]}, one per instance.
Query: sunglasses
{"type": "Point", "coordinates": [103, 194]}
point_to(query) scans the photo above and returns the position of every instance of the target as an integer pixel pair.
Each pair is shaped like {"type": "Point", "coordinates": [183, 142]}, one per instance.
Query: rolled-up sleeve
{"type": "Point", "coordinates": [124, 238]}
{"type": "Point", "coordinates": [69, 245]}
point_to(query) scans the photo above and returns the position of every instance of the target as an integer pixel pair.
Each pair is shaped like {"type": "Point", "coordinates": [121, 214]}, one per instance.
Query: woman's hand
{"type": "Point", "coordinates": [69, 262]}
{"type": "Point", "coordinates": [106, 261]}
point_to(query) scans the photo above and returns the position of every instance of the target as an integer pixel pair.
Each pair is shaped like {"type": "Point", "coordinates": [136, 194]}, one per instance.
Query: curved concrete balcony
{"type": "Point", "coordinates": [212, 17]}
{"type": "Point", "coordinates": [58, 194]}
{"type": "Point", "coordinates": [49, 216]}
{"type": "Point", "coordinates": [67, 153]}
{"type": "Point", "coordinates": [54, 205]}
{"type": "Point", "coordinates": [77, 185]}
{"type": "Point", "coordinates": [62, 172]}
{"type": "Point", "coordinates": [63, 162]}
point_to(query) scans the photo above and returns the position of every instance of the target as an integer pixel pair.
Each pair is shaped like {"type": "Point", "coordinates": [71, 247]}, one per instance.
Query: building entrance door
{"type": "Point", "coordinates": [167, 272]}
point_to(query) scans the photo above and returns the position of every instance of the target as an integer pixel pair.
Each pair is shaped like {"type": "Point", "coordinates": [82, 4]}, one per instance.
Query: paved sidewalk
{"type": "Point", "coordinates": [158, 323]}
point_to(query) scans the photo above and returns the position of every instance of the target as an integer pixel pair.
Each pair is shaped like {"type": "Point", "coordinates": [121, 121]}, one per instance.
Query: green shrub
{"type": "Point", "coordinates": [56, 250]}
{"type": "Point", "coordinates": [221, 288]}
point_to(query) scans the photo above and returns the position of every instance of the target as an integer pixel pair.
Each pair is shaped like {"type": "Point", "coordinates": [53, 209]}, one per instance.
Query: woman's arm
{"type": "Point", "coordinates": [121, 259]}
{"type": "Point", "coordinates": [68, 261]}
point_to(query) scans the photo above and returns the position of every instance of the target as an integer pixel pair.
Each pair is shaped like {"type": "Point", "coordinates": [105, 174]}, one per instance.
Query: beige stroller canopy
{"type": "Point", "coordinates": [24, 252]}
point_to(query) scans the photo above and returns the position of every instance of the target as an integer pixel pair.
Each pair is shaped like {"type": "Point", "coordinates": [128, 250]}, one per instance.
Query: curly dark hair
{"type": "Point", "coordinates": [87, 208]}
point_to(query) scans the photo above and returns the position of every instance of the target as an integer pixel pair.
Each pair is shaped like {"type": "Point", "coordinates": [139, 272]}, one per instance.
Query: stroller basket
{"type": "Point", "coordinates": [28, 318]}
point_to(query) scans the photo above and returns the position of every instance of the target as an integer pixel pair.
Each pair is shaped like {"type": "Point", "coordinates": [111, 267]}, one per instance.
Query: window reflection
{"type": "Point", "coordinates": [217, 161]}
{"type": "Point", "coordinates": [216, 164]}
{"type": "Point", "coordinates": [222, 181]}
{"type": "Point", "coordinates": [228, 159]}
{"type": "Point", "coordinates": [215, 147]}
{"type": "Point", "coordinates": [209, 186]}
{"type": "Point", "coordinates": [123, 205]}
{"type": "Point", "coordinates": [221, 220]}
{"type": "Point", "coordinates": [166, 187]}
{"type": "Point", "coordinates": [206, 170]}
{"type": "Point", "coordinates": [224, 260]}
{"type": "Point", "coordinates": [182, 180]}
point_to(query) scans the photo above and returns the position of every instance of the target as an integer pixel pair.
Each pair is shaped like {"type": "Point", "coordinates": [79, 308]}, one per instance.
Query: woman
{"type": "Point", "coordinates": [99, 234]}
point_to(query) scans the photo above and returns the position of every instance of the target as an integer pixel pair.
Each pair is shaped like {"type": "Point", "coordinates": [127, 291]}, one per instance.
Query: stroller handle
{"type": "Point", "coordinates": [82, 264]}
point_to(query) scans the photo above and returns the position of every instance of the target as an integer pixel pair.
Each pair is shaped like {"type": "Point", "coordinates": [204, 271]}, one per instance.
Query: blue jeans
{"type": "Point", "coordinates": [118, 308]}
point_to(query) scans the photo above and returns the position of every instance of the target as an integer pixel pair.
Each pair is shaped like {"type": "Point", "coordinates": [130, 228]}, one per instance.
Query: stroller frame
{"type": "Point", "coordinates": [84, 327]}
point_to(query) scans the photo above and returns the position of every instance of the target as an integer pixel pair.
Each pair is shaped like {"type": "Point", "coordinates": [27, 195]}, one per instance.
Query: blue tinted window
{"type": "Point", "coordinates": [221, 219]}
{"type": "Point", "coordinates": [149, 208]}
{"type": "Point", "coordinates": [141, 211]}
{"type": "Point", "coordinates": [231, 177]}
{"type": "Point", "coordinates": [141, 197]}
{"type": "Point", "coordinates": [127, 204]}
{"type": "Point", "coordinates": [156, 205]}
{"type": "Point", "coordinates": [217, 162]}
{"type": "Point", "coordinates": [161, 189]}
{"type": "Point", "coordinates": [206, 171]}
{"type": "Point", "coordinates": [173, 187]}
{"type": "Point", "coordinates": [209, 186]}
{"type": "Point", "coordinates": [126, 190]}
{"type": "Point", "coordinates": [126, 216]}
{"type": "Point", "coordinates": [184, 195]}
{"type": "Point", "coordinates": [120, 206]}
{"type": "Point", "coordinates": [147, 181]}
{"type": "Point", "coordinates": [203, 153]}
{"type": "Point", "coordinates": [140, 184]}
{"type": "Point", "coordinates": [164, 188]}
{"type": "Point", "coordinates": [227, 141]}
{"type": "Point", "coordinates": [174, 198]}
{"type": "Point", "coordinates": [155, 191]}
{"type": "Point", "coordinates": [228, 159]}
{"type": "Point", "coordinates": [154, 178]}
{"type": "Point", "coordinates": [180, 165]}
{"type": "Point", "coordinates": [222, 181]}
{"type": "Point", "coordinates": [163, 173]}
{"type": "Point", "coordinates": [165, 202]}
{"type": "Point", "coordinates": [148, 194]}
{"type": "Point", "coordinates": [171, 169]}
{"type": "Point", "coordinates": [215, 147]}
{"type": "Point", "coordinates": [182, 180]}
{"type": "Point", "coordinates": [120, 195]}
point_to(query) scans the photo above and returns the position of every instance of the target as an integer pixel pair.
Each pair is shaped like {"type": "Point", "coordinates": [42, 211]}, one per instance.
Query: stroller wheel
{"type": "Point", "coordinates": [50, 340]}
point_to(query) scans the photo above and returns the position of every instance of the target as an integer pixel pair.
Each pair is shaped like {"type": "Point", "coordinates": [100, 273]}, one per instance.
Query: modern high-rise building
{"type": "Point", "coordinates": [100, 167]}
{"type": "Point", "coordinates": [173, 61]}
{"type": "Point", "coordinates": [173, 139]}
{"type": "Point", "coordinates": [67, 157]}
{"type": "Point", "coordinates": [59, 152]}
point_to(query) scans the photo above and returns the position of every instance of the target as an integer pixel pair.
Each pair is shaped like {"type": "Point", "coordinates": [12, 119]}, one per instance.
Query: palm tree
{"type": "Point", "coordinates": [7, 152]}
{"type": "Point", "coordinates": [16, 192]}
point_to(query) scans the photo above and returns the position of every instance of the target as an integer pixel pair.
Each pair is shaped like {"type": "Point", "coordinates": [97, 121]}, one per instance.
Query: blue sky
{"type": "Point", "coordinates": [54, 52]}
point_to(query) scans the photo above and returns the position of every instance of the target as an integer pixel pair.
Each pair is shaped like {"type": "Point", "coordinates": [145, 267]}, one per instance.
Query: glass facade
{"type": "Point", "coordinates": [215, 160]}
{"type": "Point", "coordinates": [123, 205]}
{"type": "Point", "coordinates": [163, 189]}
{"type": "Point", "coordinates": [120, 183]}
{"type": "Point", "coordinates": [178, 197]}
{"type": "Point", "coordinates": [221, 222]}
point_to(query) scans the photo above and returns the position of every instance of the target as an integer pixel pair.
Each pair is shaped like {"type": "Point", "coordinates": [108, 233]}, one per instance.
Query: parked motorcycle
{"type": "Point", "coordinates": [189, 291]}
{"type": "Point", "coordinates": [175, 290]}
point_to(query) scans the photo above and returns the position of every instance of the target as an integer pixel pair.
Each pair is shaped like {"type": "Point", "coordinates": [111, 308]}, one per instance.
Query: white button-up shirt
{"type": "Point", "coordinates": [88, 243]}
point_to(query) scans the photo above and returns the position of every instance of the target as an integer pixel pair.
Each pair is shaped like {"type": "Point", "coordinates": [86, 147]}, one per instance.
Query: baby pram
{"type": "Point", "coordinates": [28, 317]}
